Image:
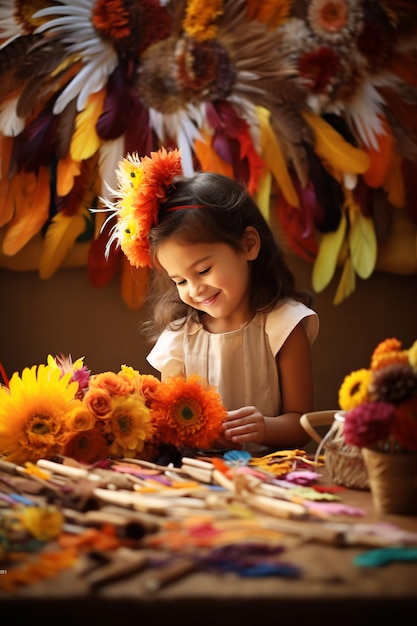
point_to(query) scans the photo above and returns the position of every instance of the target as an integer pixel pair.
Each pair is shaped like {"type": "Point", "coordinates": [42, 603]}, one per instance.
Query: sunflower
{"type": "Point", "coordinates": [129, 425]}
{"type": "Point", "coordinates": [354, 389]}
{"type": "Point", "coordinates": [33, 413]}
{"type": "Point", "coordinates": [188, 412]}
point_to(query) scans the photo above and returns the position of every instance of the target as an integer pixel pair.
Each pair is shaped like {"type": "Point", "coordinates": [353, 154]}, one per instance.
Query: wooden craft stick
{"type": "Point", "coordinates": [275, 507]}
{"type": "Point", "coordinates": [169, 574]}
{"type": "Point", "coordinates": [124, 563]}
{"type": "Point", "coordinates": [197, 463]}
{"type": "Point", "coordinates": [66, 470]}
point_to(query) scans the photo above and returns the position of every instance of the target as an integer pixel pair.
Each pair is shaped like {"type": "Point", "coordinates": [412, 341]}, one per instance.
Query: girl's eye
{"type": "Point", "coordinates": [206, 271]}
{"type": "Point", "coordinates": [180, 283]}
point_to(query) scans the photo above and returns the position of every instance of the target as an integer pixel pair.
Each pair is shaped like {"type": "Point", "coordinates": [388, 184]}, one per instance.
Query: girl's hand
{"type": "Point", "coordinates": [245, 424]}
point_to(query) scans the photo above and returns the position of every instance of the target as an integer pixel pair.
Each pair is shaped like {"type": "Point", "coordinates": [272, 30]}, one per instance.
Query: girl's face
{"type": "Point", "coordinates": [213, 277]}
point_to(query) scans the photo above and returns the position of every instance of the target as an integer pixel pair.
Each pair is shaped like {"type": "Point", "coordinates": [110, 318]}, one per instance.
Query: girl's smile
{"type": "Point", "coordinates": [211, 277]}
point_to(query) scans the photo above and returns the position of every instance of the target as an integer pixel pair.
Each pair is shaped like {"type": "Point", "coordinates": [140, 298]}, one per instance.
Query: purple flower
{"type": "Point", "coordinates": [368, 423]}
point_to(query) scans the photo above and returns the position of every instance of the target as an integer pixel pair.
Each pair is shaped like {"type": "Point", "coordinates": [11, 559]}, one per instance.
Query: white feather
{"type": "Point", "coordinates": [364, 110]}
{"type": "Point", "coordinates": [10, 123]}
{"type": "Point", "coordinates": [111, 152]}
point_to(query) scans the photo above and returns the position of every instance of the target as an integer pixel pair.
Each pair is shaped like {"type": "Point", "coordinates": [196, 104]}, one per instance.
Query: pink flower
{"type": "Point", "coordinates": [368, 423]}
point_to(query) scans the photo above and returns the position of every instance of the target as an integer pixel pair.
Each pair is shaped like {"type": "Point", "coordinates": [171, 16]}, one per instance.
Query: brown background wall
{"type": "Point", "coordinates": [64, 314]}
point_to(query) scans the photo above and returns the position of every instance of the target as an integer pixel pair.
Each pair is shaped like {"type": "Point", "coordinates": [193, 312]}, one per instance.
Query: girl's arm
{"type": "Point", "coordinates": [296, 382]}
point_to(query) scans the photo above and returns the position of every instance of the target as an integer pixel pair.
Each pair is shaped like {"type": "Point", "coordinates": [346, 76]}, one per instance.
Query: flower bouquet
{"type": "Point", "coordinates": [60, 408]}
{"type": "Point", "coordinates": [380, 417]}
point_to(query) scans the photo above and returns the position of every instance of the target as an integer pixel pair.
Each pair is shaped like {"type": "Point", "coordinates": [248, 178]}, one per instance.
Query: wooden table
{"type": "Point", "coordinates": [331, 589]}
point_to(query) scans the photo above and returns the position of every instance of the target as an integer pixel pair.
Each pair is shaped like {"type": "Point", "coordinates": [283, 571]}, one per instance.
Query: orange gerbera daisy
{"type": "Point", "coordinates": [142, 184]}
{"type": "Point", "coordinates": [188, 412]}
{"type": "Point", "coordinates": [88, 446]}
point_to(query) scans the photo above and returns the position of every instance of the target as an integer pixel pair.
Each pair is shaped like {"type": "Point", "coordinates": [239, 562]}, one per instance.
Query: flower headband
{"type": "Point", "coordinates": [143, 183]}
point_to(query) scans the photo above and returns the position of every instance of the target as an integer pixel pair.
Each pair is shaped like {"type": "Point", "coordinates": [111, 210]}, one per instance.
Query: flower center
{"type": "Point", "coordinates": [40, 427]}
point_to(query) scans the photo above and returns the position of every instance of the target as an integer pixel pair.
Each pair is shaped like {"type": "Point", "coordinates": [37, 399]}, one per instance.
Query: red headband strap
{"type": "Point", "coordinates": [186, 206]}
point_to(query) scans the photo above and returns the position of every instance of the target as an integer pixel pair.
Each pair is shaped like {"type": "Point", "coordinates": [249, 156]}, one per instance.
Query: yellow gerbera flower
{"type": "Point", "coordinates": [33, 413]}
{"type": "Point", "coordinates": [129, 425]}
{"type": "Point", "coordinates": [354, 389]}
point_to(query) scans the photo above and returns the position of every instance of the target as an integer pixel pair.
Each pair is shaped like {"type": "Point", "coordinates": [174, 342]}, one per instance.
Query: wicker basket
{"type": "Point", "coordinates": [344, 463]}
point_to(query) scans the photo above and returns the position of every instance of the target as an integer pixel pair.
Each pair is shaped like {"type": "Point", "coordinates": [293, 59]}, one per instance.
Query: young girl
{"type": "Point", "coordinates": [224, 301]}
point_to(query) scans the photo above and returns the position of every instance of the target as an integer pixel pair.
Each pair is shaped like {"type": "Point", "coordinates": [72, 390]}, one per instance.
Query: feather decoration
{"type": "Point", "coordinates": [117, 105]}
{"type": "Point", "coordinates": [379, 157]}
{"type": "Point", "coordinates": [10, 123]}
{"type": "Point", "coordinates": [85, 140]}
{"type": "Point", "coordinates": [6, 182]}
{"type": "Point", "coordinates": [409, 177]}
{"type": "Point", "coordinates": [109, 155]}
{"type": "Point", "coordinates": [64, 131]}
{"type": "Point", "coordinates": [361, 238]}
{"type": "Point", "coordinates": [347, 282]}
{"type": "Point", "coordinates": [270, 12]}
{"type": "Point", "coordinates": [32, 199]}
{"type": "Point", "coordinates": [103, 263]}
{"type": "Point", "coordinates": [82, 191]}
{"type": "Point", "coordinates": [327, 257]}
{"type": "Point", "coordinates": [139, 136]}
{"type": "Point", "coordinates": [298, 225]}
{"type": "Point", "coordinates": [394, 183]}
{"type": "Point", "coordinates": [263, 194]}
{"type": "Point", "coordinates": [333, 149]}
{"type": "Point", "coordinates": [209, 158]}
{"type": "Point", "coordinates": [67, 171]}
{"type": "Point", "coordinates": [274, 157]}
{"type": "Point", "coordinates": [34, 146]}
{"type": "Point", "coordinates": [61, 234]}
{"type": "Point", "coordinates": [133, 285]}
{"type": "Point", "coordinates": [328, 195]}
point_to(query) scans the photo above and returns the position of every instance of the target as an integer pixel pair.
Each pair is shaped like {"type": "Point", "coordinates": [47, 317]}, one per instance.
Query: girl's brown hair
{"type": "Point", "coordinates": [224, 211]}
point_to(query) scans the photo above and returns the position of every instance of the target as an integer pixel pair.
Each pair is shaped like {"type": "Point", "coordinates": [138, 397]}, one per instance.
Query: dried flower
{"type": "Point", "coordinates": [368, 424]}
{"type": "Point", "coordinates": [381, 403]}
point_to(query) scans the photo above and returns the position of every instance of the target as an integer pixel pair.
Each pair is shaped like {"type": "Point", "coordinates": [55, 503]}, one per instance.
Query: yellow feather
{"type": "Point", "coordinates": [67, 170]}
{"type": "Point", "coordinates": [59, 239]}
{"type": "Point", "coordinates": [133, 285]}
{"type": "Point", "coordinates": [274, 158]}
{"type": "Point", "coordinates": [263, 195]}
{"type": "Point", "coordinates": [362, 240]}
{"type": "Point", "coordinates": [85, 140]}
{"type": "Point", "coordinates": [32, 198]}
{"type": "Point", "coordinates": [347, 282]}
{"type": "Point", "coordinates": [327, 256]}
{"type": "Point", "coordinates": [333, 149]}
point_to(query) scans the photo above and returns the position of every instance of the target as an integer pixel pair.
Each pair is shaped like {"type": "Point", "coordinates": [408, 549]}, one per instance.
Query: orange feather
{"type": "Point", "coordinates": [32, 198]}
{"type": "Point", "coordinates": [133, 285]}
{"type": "Point", "coordinates": [379, 158]}
{"type": "Point", "coordinates": [208, 157]}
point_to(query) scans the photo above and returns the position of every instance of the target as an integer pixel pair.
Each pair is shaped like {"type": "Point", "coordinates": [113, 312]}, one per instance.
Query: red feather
{"type": "Point", "coordinates": [101, 269]}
